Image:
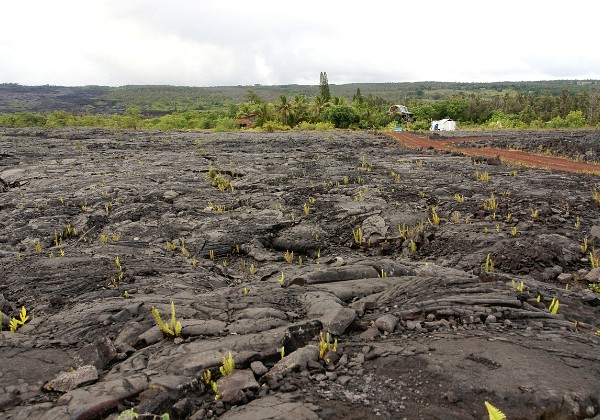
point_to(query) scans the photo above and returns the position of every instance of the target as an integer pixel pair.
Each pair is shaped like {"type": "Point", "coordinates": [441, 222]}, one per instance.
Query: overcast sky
{"type": "Point", "coordinates": [231, 42]}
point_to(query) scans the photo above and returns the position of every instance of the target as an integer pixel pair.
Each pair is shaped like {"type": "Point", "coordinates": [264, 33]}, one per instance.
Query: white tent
{"type": "Point", "coordinates": [443, 125]}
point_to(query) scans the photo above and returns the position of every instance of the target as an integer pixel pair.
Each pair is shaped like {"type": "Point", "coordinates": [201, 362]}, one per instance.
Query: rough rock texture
{"type": "Point", "coordinates": [425, 328]}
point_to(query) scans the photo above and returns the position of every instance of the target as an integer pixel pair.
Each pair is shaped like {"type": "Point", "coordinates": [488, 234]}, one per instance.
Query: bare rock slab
{"type": "Point", "coordinates": [232, 387]}
{"type": "Point", "coordinates": [273, 407]}
{"type": "Point", "coordinates": [296, 360]}
{"type": "Point", "coordinates": [387, 323]}
{"type": "Point", "coordinates": [338, 320]}
{"type": "Point", "coordinates": [68, 381]}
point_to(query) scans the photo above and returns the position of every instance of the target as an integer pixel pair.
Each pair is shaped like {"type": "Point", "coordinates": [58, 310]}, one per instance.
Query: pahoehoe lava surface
{"type": "Point", "coordinates": [389, 256]}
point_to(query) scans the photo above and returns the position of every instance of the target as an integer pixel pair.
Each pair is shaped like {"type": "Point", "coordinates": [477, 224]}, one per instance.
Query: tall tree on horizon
{"type": "Point", "coordinates": [324, 87]}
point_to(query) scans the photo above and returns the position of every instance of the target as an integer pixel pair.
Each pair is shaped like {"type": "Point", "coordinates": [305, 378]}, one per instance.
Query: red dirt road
{"type": "Point", "coordinates": [511, 156]}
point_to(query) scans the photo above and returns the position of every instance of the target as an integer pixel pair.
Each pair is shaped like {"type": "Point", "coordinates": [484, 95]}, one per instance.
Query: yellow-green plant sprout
{"type": "Point", "coordinates": [37, 246]}
{"type": "Point", "coordinates": [245, 291]}
{"type": "Point", "coordinates": [435, 218]}
{"type": "Point", "coordinates": [596, 195]}
{"type": "Point", "coordinates": [584, 246]}
{"type": "Point", "coordinates": [288, 256]}
{"type": "Point", "coordinates": [206, 377]}
{"type": "Point", "coordinates": [538, 298]}
{"type": "Point", "coordinates": [228, 365]}
{"type": "Point", "coordinates": [173, 329]}
{"type": "Point", "coordinates": [213, 385]}
{"type": "Point", "coordinates": [577, 223]}
{"type": "Point", "coordinates": [16, 323]}
{"type": "Point", "coordinates": [489, 264]}
{"type": "Point", "coordinates": [282, 278]}
{"type": "Point", "coordinates": [456, 217]}
{"type": "Point", "coordinates": [252, 269]}
{"type": "Point", "coordinates": [127, 415]}
{"type": "Point", "coordinates": [383, 274]}
{"type": "Point", "coordinates": [567, 286]}
{"type": "Point", "coordinates": [413, 246]}
{"type": "Point", "coordinates": [403, 231]}
{"type": "Point", "coordinates": [535, 213]}
{"type": "Point", "coordinates": [171, 246]}
{"type": "Point", "coordinates": [299, 259]}
{"type": "Point", "coordinates": [490, 204]}
{"type": "Point", "coordinates": [508, 217]}
{"type": "Point", "coordinates": [459, 198]}
{"type": "Point", "coordinates": [126, 294]}
{"type": "Point", "coordinates": [520, 287]}
{"type": "Point", "coordinates": [483, 177]}
{"type": "Point", "coordinates": [325, 345]}
{"type": "Point", "coordinates": [282, 352]}
{"type": "Point", "coordinates": [357, 235]}
{"type": "Point", "coordinates": [306, 209]}
{"type": "Point", "coordinates": [594, 259]}
{"type": "Point", "coordinates": [513, 231]}
{"type": "Point", "coordinates": [498, 230]}
{"type": "Point", "coordinates": [494, 413]}
{"type": "Point", "coordinates": [211, 255]}
{"type": "Point", "coordinates": [554, 306]}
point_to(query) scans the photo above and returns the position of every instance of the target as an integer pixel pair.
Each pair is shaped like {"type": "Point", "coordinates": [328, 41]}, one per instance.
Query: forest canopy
{"type": "Point", "coordinates": [543, 104]}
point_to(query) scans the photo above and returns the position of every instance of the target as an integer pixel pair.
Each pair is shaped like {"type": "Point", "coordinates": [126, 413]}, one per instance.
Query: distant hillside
{"type": "Point", "coordinates": [158, 100]}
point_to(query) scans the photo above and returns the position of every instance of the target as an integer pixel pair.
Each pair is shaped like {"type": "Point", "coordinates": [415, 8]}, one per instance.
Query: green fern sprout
{"type": "Point", "coordinates": [494, 413]}
{"type": "Point", "coordinates": [228, 365]}
{"type": "Point", "coordinates": [15, 323]}
{"type": "Point", "coordinates": [554, 306]}
{"type": "Point", "coordinates": [173, 329]}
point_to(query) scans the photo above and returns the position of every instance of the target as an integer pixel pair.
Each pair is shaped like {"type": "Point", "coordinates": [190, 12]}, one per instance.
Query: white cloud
{"type": "Point", "coordinates": [186, 42]}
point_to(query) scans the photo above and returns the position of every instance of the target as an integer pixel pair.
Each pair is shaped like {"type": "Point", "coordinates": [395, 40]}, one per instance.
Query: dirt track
{"type": "Point", "coordinates": [513, 156]}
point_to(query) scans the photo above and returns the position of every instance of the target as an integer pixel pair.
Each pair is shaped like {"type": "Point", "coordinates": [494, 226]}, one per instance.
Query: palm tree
{"type": "Point", "coordinates": [299, 108]}
{"type": "Point", "coordinates": [284, 108]}
{"type": "Point", "coordinates": [263, 113]}
{"type": "Point", "coordinates": [318, 106]}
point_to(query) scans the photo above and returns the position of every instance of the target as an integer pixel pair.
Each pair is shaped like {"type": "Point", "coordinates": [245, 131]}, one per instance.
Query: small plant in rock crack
{"type": "Point", "coordinates": [513, 231]}
{"type": "Point", "coordinates": [207, 377]}
{"type": "Point", "coordinates": [228, 365]}
{"type": "Point", "coordinates": [281, 279]}
{"type": "Point", "coordinates": [306, 209]}
{"type": "Point", "coordinates": [483, 177]}
{"type": "Point", "coordinates": [554, 306]}
{"type": "Point", "coordinates": [16, 323]}
{"type": "Point", "coordinates": [357, 235]}
{"type": "Point", "coordinates": [489, 264]}
{"type": "Point", "coordinates": [577, 223]}
{"type": "Point", "coordinates": [594, 258]}
{"type": "Point", "coordinates": [282, 352]}
{"type": "Point", "coordinates": [288, 256]}
{"type": "Point", "coordinates": [535, 213]}
{"type": "Point", "coordinates": [412, 246]}
{"type": "Point", "coordinates": [595, 287]}
{"type": "Point", "coordinates": [459, 198]}
{"type": "Point", "coordinates": [490, 204]}
{"type": "Point", "coordinates": [435, 218]}
{"type": "Point", "coordinates": [173, 329]}
{"type": "Point", "coordinates": [494, 413]}
{"type": "Point", "coordinates": [171, 246]}
{"type": "Point", "coordinates": [403, 230]}
{"type": "Point", "coordinates": [456, 217]}
{"type": "Point", "coordinates": [37, 246]}
{"type": "Point", "coordinates": [596, 194]}
{"type": "Point", "coordinates": [584, 246]}
{"type": "Point", "coordinates": [325, 345]}
{"type": "Point", "coordinates": [252, 269]}
{"type": "Point", "coordinates": [213, 385]}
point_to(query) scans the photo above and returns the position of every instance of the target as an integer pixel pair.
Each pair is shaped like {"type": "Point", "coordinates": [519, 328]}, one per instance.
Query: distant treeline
{"type": "Point", "coordinates": [548, 104]}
